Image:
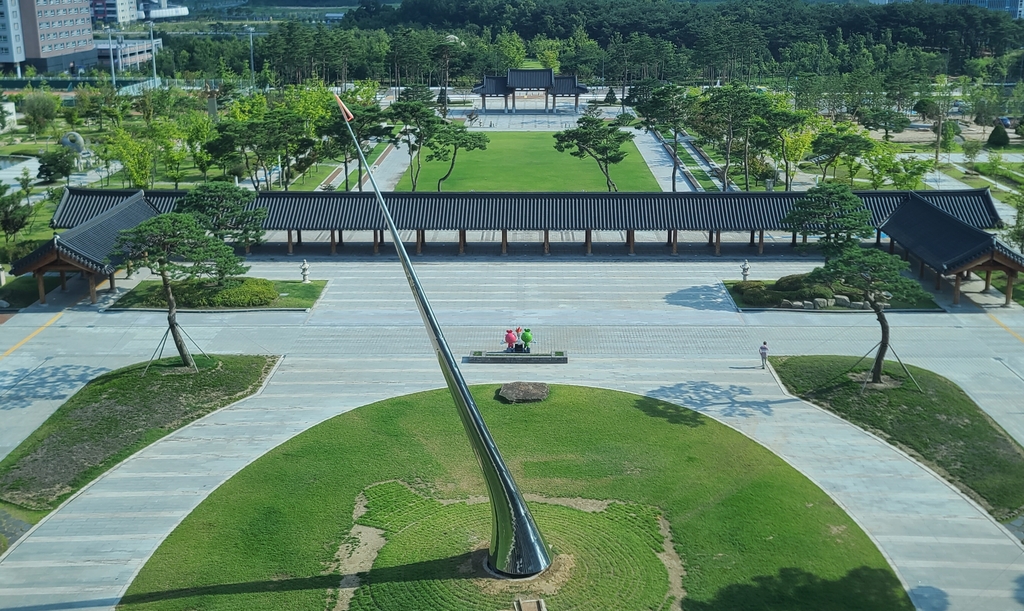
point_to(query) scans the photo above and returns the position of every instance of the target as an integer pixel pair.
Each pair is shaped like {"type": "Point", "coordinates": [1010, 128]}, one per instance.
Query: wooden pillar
{"type": "Point", "coordinates": [504, 234]}
{"type": "Point", "coordinates": [376, 244]}
{"type": "Point", "coordinates": [878, 237]}
{"type": "Point", "coordinates": [483, 103]}
{"type": "Point", "coordinates": [547, 241]}
{"type": "Point", "coordinates": [938, 281]}
{"type": "Point", "coordinates": [588, 242]}
{"type": "Point", "coordinates": [711, 237]}
{"type": "Point", "coordinates": [892, 246]}
{"type": "Point", "coordinates": [113, 287]}
{"type": "Point", "coordinates": [64, 281]}
{"type": "Point", "coordinates": [462, 241]}
{"type": "Point", "coordinates": [631, 240]}
{"type": "Point", "coordinates": [289, 241]}
{"type": "Point", "coordinates": [760, 242]}
{"type": "Point", "coordinates": [1010, 277]}
{"type": "Point", "coordinates": [513, 101]}
{"type": "Point", "coordinates": [545, 100]}
{"type": "Point", "coordinates": [718, 242]}
{"type": "Point", "coordinates": [988, 279]}
{"type": "Point", "coordinates": [341, 238]}
{"type": "Point", "coordinates": [668, 238]}
{"type": "Point", "coordinates": [956, 290]}
{"type": "Point", "coordinates": [420, 237]}
{"type": "Point", "coordinates": [506, 103]}
{"type": "Point", "coordinates": [577, 106]}
{"type": "Point", "coordinates": [675, 241]}
{"type": "Point", "coordinates": [794, 240]}
{"type": "Point", "coordinates": [334, 245]}
{"type": "Point", "coordinates": [92, 288]}
{"type": "Point", "coordinates": [381, 234]}
{"type": "Point", "coordinates": [41, 286]}
{"type": "Point", "coordinates": [920, 272]}
{"type": "Point", "coordinates": [751, 238]}
{"type": "Point", "coordinates": [298, 237]}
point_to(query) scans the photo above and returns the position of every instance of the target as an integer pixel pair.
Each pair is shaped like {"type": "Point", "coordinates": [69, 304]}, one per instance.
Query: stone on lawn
{"type": "Point", "coordinates": [786, 304]}
{"type": "Point", "coordinates": [4, 304]}
{"type": "Point", "coordinates": [842, 301]}
{"type": "Point", "coordinates": [820, 303]}
{"type": "Point", "coordinates": [831, 302]}
{"type": "Point", "coordinates": [867, 305]}
{"type": "Point", "coordinates": [856, 305]}
{"type": "Point", "coordinates": [523, 392]}
{"type": "Point", "coordinates": [798, 305]}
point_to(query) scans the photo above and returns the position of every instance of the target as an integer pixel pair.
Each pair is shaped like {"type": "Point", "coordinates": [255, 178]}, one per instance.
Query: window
{"type": "Point", "coordinates": [42, 37]}
{"type": "Point", "coordinates": [3, 37]}
{"type": "Point", "coordinates": [4, 50]}
{"type": "Point", "coordinates": [39, 13]}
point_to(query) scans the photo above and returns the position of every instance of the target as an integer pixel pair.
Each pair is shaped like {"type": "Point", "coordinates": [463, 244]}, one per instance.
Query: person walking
{"type": "Point", "coordinates": [764, 354]}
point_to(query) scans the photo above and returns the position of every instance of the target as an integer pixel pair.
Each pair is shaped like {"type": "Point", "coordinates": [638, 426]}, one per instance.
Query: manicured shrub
{"type": "Point", "coordinates": [763, 298]}
{"type": "Point", "coordinates": [790, 283]}
{"type": "Point", "coordinates": [747, 285]}
{"type": "Point", "coordinates": [814, 291]}
{"type": "Point", "coordinates": [998, 138]}
{"type": "Point", "coordinates": [250, 292]}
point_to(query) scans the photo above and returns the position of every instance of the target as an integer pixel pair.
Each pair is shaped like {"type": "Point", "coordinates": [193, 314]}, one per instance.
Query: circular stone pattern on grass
{"type": "Point", "coordinates": [749, 530]}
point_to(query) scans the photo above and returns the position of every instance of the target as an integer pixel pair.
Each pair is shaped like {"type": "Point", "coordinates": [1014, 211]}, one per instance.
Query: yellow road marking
{"type": "Point", "coordinates": [1008, 329]}
{"type": "Point", "coordinates": [35, 333]}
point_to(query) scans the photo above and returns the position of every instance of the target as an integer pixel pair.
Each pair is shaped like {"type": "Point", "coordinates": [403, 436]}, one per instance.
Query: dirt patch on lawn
{"type": "Point", "coordinates": [865, 376]}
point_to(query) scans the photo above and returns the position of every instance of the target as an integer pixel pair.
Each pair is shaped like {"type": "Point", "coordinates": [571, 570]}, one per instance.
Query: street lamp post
{"type": "Point", "coordinates": [110, 55]}
{"type": "Point", "coordinates": [152, 49]}
{"type": "Point", "coordinates": [252, 59]}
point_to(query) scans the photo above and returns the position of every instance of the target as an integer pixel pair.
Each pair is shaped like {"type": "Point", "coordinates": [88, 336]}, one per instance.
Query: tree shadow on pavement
{"type": "Point", "coordinates": [703, 297]}
{"type": "Point", "coordinates": [794, 589]}
{"type": "Point", "coordinates": [20, 388]}
{"type": "Point", "coordinates": [928, 598]}
{"type": "Point", "coordinates": [730, 401]}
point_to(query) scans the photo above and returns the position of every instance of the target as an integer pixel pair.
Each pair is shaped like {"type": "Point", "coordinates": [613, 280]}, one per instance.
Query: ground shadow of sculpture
{"type": "Point", "coordinates": [928, 598]}
{"type": "Point", "coordinates": [22, 387]}
{"type": "Point", "coordinates": [794, 589]}
{"type": "Point", "coordinates": [730, 401]}
{"type": "Point", "coordinates": [703, 297]}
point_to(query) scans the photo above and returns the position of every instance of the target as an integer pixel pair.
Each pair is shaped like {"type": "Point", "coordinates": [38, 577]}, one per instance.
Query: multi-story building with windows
{"type": "Point", "coordinates": [115, 11]}
{"type": "Point", "coordinates": [58, 34]}
{"type": "Point", "coordinates": [12, 43]}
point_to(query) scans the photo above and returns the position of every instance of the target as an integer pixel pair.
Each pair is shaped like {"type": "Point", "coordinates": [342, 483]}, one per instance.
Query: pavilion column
{"type": "Point", "coordinates": [513, 101]}
{"type": "Point", "coordinates": [956, 290]}
{"type": "Point", "coordinates": [298, 237]}
{"type": "Point", "coordinates": [675, 241]}
{"type": "Point", "coordinates": [421, 237]}
{"type": "Point", "coordinates": [938, 281]}
{"type": "Point", "coordinates": [334, 245]}
{"type": "Point", "coordinates": [290, 241]}
{"type": "Point", "coordinates": [506, 103]}
{"type": "Point", "coordinates": [113, 286]}
{"type": "Point", "coordinates": [631, 240]}
{"type": "Point", "coordinates": [483, 103]}
{"type": "Point", "coordinates": [920, 272]}
{"type": "Point", "coordinates": [462, 241]}
{"type": "Point", "coordinates": [381, 234]}
{"type": "Point", "coordinates": [504, 241]}
{"type": "Point", "coordinates": [545, 100]}
{"type": "Point", "coordinates": [751, 238]}
{"type": "Point", "coordinates": [341, 238]}
{"type": "Point", "coordinates": [1010, 277]}
{"type": "Point", "coordinates": [878, 237]}
{"type": "Point", "coordinates": [892, 246]}
{"type": "Point", "coordinates": [718, 242]}
{"type": "Point", "coordinates": [41, 286]}
{"type": "Point", "coordinates": [760, 242]}
{"type": "Point", "coordinates": [988, 279]}
{"type": "Point", "coordinates": [711, 237]}
{"type": "Point", "coordinates": [64, 281]}
{"type": "Point", "coordinates": [577, 106]}
{"type": "Point", "coordinates": [376, 244]}
{"type": "Point", "coordinates": [92, 288]}
{"type": "Point", "coordinates": [547, 242]}
{"type": "Point", "coordinates": [588, 241]}
{"type": "Point", "coordinates": [668, 238]}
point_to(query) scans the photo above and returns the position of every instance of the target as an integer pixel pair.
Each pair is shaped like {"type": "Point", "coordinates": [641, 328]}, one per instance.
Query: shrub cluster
{"type": "Point", "coordinates": [233, 293]}
{"type": "Point", "coordinates": [795, 288]}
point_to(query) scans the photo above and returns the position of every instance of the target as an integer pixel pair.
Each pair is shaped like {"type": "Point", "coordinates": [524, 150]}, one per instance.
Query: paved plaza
{"type": "Point", "coordinates": [661, 327]}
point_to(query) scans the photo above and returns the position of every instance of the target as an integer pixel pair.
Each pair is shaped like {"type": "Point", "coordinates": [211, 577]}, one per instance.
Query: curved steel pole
{"type": "Point", "coordinates": [517, 548]}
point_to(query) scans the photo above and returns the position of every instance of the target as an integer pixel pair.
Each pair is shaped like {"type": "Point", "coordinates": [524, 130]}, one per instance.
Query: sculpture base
{"type": "Point", "coordinates": [479, 356]}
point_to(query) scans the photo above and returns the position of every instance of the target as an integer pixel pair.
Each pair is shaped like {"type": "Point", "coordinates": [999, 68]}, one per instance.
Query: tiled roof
{"type": "Point", "coordinates": [732, 211]}
{"type": "Point", "coordinates": [519, 78]}
{"type": "Point", "coordinates": [530, 79]}
{"type": "Point", "coordinates": [89, 245]}
{"type": "Point", "coordinates": [569, 85]}
{"type": "Point", "coordinates": [79, 204]}
{"type": "Point", "coordinates": [945, 243]}
{"type": "Point", "coordinates": [493, 85]}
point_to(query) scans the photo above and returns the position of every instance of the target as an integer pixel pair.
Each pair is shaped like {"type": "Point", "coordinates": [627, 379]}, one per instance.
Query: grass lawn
{"type": "Point", "coordinates": [22, 291]}
{"type": "Point", "coordinates": [751, 531]}
{"type": "Point", "coordinates": [116, 415]}
{"type": "Point", "coordinates": [528, 161]}
{"type": "Point", "coordinates": [925, 303]}
{"type": "Point", "coordinates": [942, 427]}
{"type": "Point", "coordinates": [999, 283]}
{"type": "Point", "coordinates": [972, 181]}
{"type": "Point", "coordinates": [291, 294]}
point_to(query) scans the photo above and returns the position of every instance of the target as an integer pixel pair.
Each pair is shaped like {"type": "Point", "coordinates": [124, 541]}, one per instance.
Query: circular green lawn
{"type": "Point", "coordinates": [751, 532]}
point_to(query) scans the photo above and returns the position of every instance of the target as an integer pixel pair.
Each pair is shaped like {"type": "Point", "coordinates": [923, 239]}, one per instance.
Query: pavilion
{"type": "Point", "coordinates": [518, 79]}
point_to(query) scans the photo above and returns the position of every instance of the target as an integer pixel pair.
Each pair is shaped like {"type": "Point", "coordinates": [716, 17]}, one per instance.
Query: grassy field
{"type": "Point", "coordinates": [925, 303]}
{"type": "Point", "coordinates": [942, 426]}
{"type": "Point", "coordinates": [291, 294]}
{"type": "Point", "coordinates": [116, 415]}
{"type": "Point", "coordinates": [752, 533]}
{"type": "Point", "coordinates": [22, 292]}
{"type": "Point", "coordinates": [528, 161]}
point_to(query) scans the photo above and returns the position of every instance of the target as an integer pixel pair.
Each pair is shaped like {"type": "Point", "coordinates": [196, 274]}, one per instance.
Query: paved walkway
{"type": "Point", "coordinates": [666, 329]}
{"type": "Point", "coordinates": [660, 161]}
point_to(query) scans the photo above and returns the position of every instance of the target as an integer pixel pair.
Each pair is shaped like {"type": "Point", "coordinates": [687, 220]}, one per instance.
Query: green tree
{"type": "Point", "coordinates": [668, 107]}
{"type": "Point", "coordinates": [833, 212]}
{"type": "Point", "coordinates": [888, 120]}
{"type": "Point", "coordinates": [418, 122]}
{"type": "Point", "coordinates": [25, 181]}
{"type": "Point", "coordinates": [998, 138]}
{"type": "Point", "coordinates": [877, 277]}
{"type": "Point", "coordinates": [594, 138]}
{"type": "Point", "coordinates": [198, 130]}
{"type": "Point", "coordinates": [906, 172]}
{"type": "Point", "coordinates": [971, 148]}
{"type": "Point", "coordinates": [13, 215]}
{"type": "Point", "coordinates": [840, 139]}
{"type": "Point", "coordinates": [39, 109]}
{"type": "Point", "coordinates": [135, 155]}
{"type": "Point", "coordinates": [227, 212]}
{"type": "Point", "coordinates": [57, 164]}
{"type": "Point", "coordinates": [174, 246]}
{"type": "Point", "coordinates": [777, 125]}
{"type": "Point", "coordinates": [447, 140]}
{"type": "Point", "coordinates": [511, 50]}
{"type": "Point", "coordinates": [1014, 234]}
{"type": "Point", "coordinates": [722, 115]}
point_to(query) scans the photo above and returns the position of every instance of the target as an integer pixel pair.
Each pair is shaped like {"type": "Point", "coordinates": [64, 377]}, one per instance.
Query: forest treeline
{"type": "Point", "coordinates": [752, 41]}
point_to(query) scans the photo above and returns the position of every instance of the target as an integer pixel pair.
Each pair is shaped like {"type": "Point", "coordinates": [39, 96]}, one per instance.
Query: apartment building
{"type": "Point", "coordinates": [115, 11]}
{"type": "Point", "coordinates": [12, 45]}
{"type": "Point", "coordinates": [58, 34]}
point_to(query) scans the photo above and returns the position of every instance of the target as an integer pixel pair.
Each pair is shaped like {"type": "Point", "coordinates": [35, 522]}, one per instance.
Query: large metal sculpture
{"type": "Point", "coordinates": [517, 548]}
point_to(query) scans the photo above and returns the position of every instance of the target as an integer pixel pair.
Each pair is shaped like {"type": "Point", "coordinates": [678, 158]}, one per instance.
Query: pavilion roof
{"type": "Point", "coordinates": [89, 245]}
{"type": "Point", "coordinates": [944, 242]}
{"type": "Point", "coordinates": [732, 211]}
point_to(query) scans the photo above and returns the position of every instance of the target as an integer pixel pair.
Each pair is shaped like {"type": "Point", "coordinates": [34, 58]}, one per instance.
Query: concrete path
{"type": "Point", "coordinates": [659, 161]}
{"type": "Point", "coordinates": [663, 328]}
